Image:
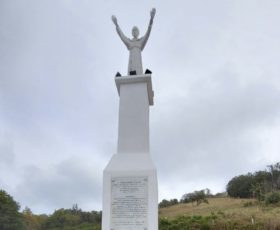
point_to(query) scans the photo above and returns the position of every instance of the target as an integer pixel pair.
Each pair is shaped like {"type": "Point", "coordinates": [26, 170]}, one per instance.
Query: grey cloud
{"type": "Point", "coordinates": [60, 186]}
{"type": "Point", "coordinates": [7, 155]}
{"type": "Point", "coordinates": [212, 130]}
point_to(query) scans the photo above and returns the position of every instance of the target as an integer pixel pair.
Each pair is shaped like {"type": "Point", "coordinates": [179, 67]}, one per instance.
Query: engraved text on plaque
{"type": "Point", "coordinates": [129, 206]}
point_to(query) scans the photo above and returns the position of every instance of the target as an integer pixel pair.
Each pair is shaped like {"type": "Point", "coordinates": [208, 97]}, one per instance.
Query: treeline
{"type": "Point", "coordinates": [68, 219]}
{"type": "Point", "coordinates": [262, 185]}
{"type": "Point", "coordinates": [196, 197]}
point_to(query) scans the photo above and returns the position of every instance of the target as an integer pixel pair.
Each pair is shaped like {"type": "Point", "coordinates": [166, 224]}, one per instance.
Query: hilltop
{"type": "Point", "coordinates": [221, 213]}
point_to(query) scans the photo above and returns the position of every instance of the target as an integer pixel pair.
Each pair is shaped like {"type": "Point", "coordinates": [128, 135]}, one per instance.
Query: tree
{"type": "Point", "coordinates": [73, 218]}
{"type": "Point", "coordinates": [275, 176]}
{"type": "Point", "coordinates": [166, 203]}
{"type": "Point", "coordinates": [255, 185]}
{"type": "Point", "coordinates": [61, 218]}
{"type": "Point", "coordinates": [32, 222]}
{"type": "Point", "coordinates": [10, 218]}
{"type": "Point", "coordinates": [241, 186]}
{"type": "Point", "coordinates": [196, 196]}
{"type": "Point", "coordinates": [261, 184]}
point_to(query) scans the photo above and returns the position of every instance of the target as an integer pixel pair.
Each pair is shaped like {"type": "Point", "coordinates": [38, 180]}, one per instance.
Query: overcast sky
{"type": "Point", "coordinates": [217, 91]}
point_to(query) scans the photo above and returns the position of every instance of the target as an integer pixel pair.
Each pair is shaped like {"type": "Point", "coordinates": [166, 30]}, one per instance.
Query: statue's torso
{"type": "Point", "coordinates": [135, 44]}
{"type": "Point", "coordinates": [135, 60]}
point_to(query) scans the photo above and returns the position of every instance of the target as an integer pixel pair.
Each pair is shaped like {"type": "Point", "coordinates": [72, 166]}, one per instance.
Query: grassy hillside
{"type": "Point", "coordinates": [228, 213]}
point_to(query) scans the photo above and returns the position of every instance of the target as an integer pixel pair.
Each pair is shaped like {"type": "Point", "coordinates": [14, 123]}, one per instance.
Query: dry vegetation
{"type": "Point", "coordinates": [245, 211]}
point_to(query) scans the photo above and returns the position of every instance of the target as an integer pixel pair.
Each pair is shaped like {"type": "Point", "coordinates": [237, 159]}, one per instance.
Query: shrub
{"type": "Point", "coordinates": [166, 203]}
{"type": "Point", "coordinates": [248, 204]}
{"type": "Point", "coordinates": [272, 198]}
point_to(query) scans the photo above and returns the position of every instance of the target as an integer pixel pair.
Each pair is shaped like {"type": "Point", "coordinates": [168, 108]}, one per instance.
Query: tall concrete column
{"type": "Point", "coordinates": [135, 97]}
{"type": "Point", "coordinates": [130, 196]}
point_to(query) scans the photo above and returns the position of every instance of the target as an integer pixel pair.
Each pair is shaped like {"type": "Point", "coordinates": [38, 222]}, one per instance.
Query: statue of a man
{"type": "Point", "coordinates": [135, 45]}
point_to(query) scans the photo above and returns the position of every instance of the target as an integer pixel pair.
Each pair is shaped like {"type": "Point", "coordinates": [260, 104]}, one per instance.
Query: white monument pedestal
{"type": "Point", "coordinates": [130, 196]}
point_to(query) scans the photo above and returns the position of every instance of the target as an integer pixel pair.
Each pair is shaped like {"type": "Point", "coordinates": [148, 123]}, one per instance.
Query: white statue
{"type": "Point", "coordinates": [135, 45]}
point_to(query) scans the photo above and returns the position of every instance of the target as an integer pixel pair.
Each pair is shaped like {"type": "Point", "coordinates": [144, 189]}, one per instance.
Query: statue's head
{"type": "Point", "coordinates": [135, 32]}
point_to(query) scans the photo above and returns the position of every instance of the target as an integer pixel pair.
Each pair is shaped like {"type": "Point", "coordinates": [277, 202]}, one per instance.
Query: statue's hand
{"type": "Point", "coordinates": [153, 13]}
{"type": "Point", "coordinates": [114, 19]}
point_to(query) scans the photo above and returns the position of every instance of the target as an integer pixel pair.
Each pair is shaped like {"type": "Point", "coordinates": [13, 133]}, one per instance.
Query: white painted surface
{"type": "Point", "coordinates": [133, 133]}
{"type": "Point", "coordinates": [133, 165]}
{"type": "Point", "coordinates": [135, 79]}
{"type": "Point", "coordinates": [132, 159]}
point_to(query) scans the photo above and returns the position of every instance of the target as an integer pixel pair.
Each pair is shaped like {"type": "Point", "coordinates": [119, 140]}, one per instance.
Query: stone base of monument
{"type": "Point", "coordinates": [130, 196]}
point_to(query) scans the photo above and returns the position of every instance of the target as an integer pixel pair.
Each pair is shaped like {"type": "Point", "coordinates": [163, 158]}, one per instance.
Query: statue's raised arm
{"type": "Point", "coordinates": [146, 36]}
{"type": "Point", "coordinates": [119, 31]}
{"type": "Point", "coordinates": [135, 45]}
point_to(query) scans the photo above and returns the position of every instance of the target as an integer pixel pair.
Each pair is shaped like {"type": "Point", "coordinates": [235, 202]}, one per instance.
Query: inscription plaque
{"type": "Point", "coordinates": [129, 205]}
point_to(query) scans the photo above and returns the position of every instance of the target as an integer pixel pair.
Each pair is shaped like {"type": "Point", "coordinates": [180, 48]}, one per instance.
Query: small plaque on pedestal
{"type": "Point", "coordinates": [129, 206]}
